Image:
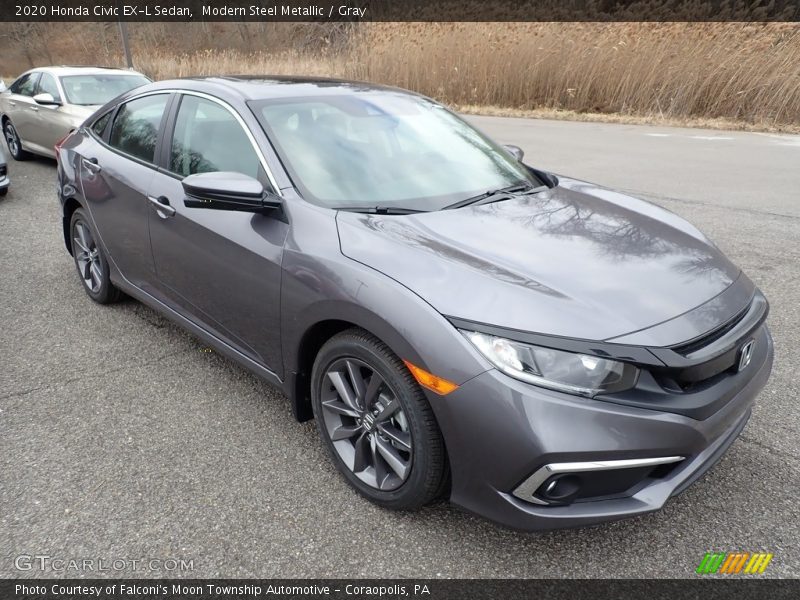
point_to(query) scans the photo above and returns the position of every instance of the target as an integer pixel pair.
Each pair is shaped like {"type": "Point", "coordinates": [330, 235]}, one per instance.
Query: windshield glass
{"type": "Point", "coordinates": [370, 149]}
{"type": "Point", "coordinates": [88, 90]}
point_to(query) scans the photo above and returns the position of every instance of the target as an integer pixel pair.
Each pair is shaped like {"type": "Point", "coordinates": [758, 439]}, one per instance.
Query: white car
{"type": "Point", "coordinates": [43, 105]}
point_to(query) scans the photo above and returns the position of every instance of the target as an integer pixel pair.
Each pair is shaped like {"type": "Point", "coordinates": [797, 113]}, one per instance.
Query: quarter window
{"type": "Point", "coordinates": [25, 85]}
{"type": "Point", "coordinates": [47, 85]}
{"type": "Point", "coordinates": [99, 126]}
{"type": "Point", "coordinates": [209, 138]}
{"type": "Point", "coordinates": [136, 126]}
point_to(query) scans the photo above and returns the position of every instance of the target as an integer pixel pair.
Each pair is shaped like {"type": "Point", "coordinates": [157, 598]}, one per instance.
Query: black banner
{"type": "Point", "coordinates": [400, 10]}
{"type": "Point", "coordinates": [477, 589]}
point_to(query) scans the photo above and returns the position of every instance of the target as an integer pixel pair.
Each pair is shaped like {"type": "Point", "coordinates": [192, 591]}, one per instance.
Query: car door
{"type": "Point", "coordinates": [220, 268]}
{"type": "Point", "coordinates": [20, 107]}
{"type": "Point", "coordinates": [115, 172]}
{"type": "Point", "coordinates": [48, 123]}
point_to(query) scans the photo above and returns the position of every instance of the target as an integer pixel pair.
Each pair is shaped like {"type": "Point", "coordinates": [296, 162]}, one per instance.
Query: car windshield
{"type": "Point", "coordinates": [90, 90]}
{"type": "Point", "coordinates": [386, 149]}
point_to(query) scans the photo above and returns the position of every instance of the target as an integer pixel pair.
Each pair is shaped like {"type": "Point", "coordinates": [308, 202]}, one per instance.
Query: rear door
{"type": "Point", "coordinates": [116, 172]}
{"type": "Point", "coordinates": [20, 107]}
{"type": "Point", "coordinates": [220, 268]}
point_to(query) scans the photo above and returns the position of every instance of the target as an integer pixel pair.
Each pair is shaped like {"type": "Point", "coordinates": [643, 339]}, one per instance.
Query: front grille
{"type": "Point", "coordinates": [698, 376]}
{"type": "Point", "coordinates": [712, 356]}
{"type": "Point", "coordinates": [711, 337]}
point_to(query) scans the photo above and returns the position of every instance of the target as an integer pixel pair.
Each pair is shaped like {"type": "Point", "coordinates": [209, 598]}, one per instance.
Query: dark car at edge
{"type": "Point", "coordinates": [540, 350]}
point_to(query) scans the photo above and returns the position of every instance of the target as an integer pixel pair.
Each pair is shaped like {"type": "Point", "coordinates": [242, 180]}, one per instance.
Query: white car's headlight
{"type": "Point", "coordinates": [580, 374]}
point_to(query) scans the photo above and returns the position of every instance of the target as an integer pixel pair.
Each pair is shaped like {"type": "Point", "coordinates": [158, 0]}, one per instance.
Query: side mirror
{"type": "Point", "coordinates": [515, 151]}
{"type": "Point", "coordinates": [224, 190]}
{"type": "Point", "coordinates": [46, 99]}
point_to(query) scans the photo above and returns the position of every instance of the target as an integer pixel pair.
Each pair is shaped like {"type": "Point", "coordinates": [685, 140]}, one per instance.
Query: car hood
{"type": "Point", "coordinates": [80, 112]}
{"type": "Point", "coordinates": [577, 261]}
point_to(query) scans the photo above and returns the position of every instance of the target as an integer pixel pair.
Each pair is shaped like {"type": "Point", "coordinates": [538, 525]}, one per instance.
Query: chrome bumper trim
{"type": "Point", "coordinates": [527, 489]}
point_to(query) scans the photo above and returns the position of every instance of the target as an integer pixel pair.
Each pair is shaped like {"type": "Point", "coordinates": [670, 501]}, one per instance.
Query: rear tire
{"type": "Point", "coordinates": [13, 142]}
{"type": "Point", "coordinates": [3, 192]}
{"type": "Point", "coordinates": [90, 261]}
{"type": "Point", "coordinates": [381, 432]}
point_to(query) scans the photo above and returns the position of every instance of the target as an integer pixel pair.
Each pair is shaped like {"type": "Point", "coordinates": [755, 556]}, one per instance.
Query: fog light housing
{"type": "Point", "coordinates": [560, 489]}
{"type": "Point", "coordinates": [558, 484]}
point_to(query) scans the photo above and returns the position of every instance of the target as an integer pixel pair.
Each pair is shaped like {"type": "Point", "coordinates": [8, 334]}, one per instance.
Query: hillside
{"type": "Point", "coordinates": [743, 75]}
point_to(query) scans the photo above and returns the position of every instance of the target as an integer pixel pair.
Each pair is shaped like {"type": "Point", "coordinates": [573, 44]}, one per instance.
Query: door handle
{"type": "Point", "coordinates": [35, 108]}
{"type": "Point", "coordinates": [91, 165]}
{"type": "Point", "coordinates": [12, 103]}
{"type": "Point", "coordinates": [162, 206]}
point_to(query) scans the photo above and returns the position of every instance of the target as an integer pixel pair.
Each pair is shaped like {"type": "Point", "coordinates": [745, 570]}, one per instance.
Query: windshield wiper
{"type": "Point", "coordinates": [497, 195]}
{"type": "Point", "coordinates": [381, 210]}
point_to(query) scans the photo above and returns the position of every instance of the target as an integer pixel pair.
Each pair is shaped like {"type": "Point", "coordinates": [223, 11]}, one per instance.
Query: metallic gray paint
{"type": "Point", "coordinates": [578, 253]}
{"type": "Point", "coordinates": [526, 428]}
{"type": "Point", "coordinates": [577, 264]}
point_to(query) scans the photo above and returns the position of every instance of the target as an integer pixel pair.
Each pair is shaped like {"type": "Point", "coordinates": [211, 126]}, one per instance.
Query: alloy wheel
{"type": "Point", "coordinates": [12, 140]}
{"type": "Point", "coordinates": [87, 257]}
{"type": "Point", "coordinates": [366, 423]}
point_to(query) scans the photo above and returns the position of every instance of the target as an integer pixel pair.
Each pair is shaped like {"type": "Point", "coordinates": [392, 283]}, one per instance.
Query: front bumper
{"type": "Point", "coordinates": [4, 182]}
{"type": "Point", "coordinates": [499, 432]}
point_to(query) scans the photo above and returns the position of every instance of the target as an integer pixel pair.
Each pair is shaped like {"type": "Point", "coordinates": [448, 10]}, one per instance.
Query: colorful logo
{"type": "Point", "coordinates": [733, 563]}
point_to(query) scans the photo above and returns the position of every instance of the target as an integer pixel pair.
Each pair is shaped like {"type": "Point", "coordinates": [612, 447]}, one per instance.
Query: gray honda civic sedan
{"type": "Point", "coordinates": [540, 350]}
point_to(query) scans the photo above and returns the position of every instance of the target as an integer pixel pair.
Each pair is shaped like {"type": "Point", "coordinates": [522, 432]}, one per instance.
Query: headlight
{"type": "Point", "coordinates": [580, 374]}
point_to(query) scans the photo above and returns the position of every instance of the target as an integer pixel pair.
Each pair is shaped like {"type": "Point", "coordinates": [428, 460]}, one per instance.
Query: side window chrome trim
{"type": "Point", "coordinates": [262, 159]}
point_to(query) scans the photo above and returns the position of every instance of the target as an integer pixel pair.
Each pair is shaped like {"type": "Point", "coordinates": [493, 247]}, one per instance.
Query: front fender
{"type": "Point", "coordinates": [364, 298]}
{"type": "Point", "coordinates": [323, 292]}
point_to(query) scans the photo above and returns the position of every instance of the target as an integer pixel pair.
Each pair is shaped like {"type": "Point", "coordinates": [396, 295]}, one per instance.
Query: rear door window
{"type": "Point", "coordinates": [136, 126]}
{"type": "Point", "coordinates": [25, 85]}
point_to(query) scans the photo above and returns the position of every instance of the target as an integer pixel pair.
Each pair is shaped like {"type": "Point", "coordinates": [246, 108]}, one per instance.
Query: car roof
{"type": "Point", "coordinates": [260, 87]}
{"type": "Point", "coordinates": [63, 70]}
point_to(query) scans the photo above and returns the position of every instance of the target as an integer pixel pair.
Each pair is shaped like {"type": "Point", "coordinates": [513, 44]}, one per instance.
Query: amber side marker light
{"type": "Point", "coordinates": [431, 381]}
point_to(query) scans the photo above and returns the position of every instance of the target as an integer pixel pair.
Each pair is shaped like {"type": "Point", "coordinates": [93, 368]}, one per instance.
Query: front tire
{"type": "Point", "coordinates": [376, 422]}
{"type": "Point", "coordinates": [13, 142]}
{"type": "Point", "coordinates": [90, 261]}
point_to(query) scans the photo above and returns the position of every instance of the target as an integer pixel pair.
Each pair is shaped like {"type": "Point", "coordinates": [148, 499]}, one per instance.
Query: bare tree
{"type": "Point", "coordinates": [21, 34]}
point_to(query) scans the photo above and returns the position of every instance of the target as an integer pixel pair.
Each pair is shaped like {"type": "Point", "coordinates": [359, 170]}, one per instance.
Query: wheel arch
{"type": "Point", "coordinates": [304, 350]}
{"type": "Point", "coordinates": [312, 340]}
{"type": "Point", "coordinates": [71, 204]}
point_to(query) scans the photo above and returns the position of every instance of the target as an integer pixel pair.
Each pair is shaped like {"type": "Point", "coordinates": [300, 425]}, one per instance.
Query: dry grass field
{"type": "Point", "coordinates": [744, 75]}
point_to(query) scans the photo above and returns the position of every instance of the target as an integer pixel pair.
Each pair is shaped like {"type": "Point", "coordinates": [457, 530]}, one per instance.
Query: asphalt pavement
{"type": "Point", "coordinates": [122, 438]}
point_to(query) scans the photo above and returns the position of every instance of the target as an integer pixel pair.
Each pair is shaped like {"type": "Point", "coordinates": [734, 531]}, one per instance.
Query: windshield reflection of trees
{"type": "Point", "coordinates": [386, 148]}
